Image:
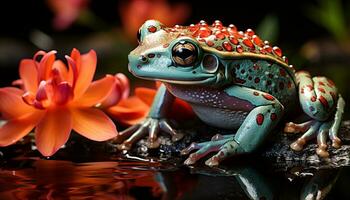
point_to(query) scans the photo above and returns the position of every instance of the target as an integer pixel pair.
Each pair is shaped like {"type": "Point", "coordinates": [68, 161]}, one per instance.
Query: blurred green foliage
{"type": "Point", "coordinates": [330, 15]}
{"type": "Point", "coordinates": [269, 28]}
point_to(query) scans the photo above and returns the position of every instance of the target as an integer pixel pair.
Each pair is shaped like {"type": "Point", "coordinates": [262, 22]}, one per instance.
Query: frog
{"type": "Point", "coordinates": [232, 80]}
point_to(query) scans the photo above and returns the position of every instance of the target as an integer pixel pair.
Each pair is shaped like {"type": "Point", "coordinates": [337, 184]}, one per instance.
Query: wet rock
{"type": "Point", "coordinates": [277, 151]}
{"type": "Point", "coordinates": [285, 157]}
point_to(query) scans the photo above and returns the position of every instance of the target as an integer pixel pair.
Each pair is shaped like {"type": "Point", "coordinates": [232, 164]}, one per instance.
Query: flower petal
{"type": "Point", "coordinates": [29, 74]}
{"type": "Point", "coordinates": [11, 103]}
{"type": "Point", "coordinates": [63, 70]}
{"type": "Point", "coordinates": [129, 111]}
{"type": "Point", "coordinates": [97, 92]}
{"type": "Point", "coordinates": [53, 131]}
{"type": "Point", "coordinates": [93, 124]}
{"type": "Point", "coordinates": [86, 71]}
{"type": "Point", "coordinates": [45, 65]}
{"type": "Point", "coordinates": [15, 129]}
{"type": "Point", "coordinates": [124, 85]}
{"type": "Point", "coordinates": [146, 94]}
{"type": "Point", "coordinates": [63, 93]}
{"type": "Point", "coordinates": [76, 56]}
{"type": "Point", "coordinates": [121, 90]}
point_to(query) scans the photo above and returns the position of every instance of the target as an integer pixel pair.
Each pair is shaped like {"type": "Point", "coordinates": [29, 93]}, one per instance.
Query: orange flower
{"type": "Point", "coordinates": [135, 108]}
{"type": "Point", "coordinates": [135, 12]}
{"type": "Point", "coordinates": [55, 99]}
{"type": "Point", "coordinates": [121, 90]}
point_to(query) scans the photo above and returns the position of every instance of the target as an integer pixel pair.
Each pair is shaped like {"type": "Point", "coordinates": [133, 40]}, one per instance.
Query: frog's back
{"type": "Point", "coordinates": [253, 62]}
{"type": "Point", "coordinates": [229, 43]}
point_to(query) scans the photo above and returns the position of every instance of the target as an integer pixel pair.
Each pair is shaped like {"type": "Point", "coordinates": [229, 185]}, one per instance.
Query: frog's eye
{"type": "Point", "coordinates": [139, 35]}
{"type": "Point", "coordinates": [184, 53]}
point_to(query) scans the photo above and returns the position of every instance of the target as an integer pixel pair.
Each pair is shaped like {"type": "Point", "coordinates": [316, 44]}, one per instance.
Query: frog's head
{"type": "Point", "coordinates": [172, 56]}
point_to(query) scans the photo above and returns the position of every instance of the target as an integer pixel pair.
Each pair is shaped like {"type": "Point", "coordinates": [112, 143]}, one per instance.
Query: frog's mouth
{"type": "Point", "coordinates": [189, 82]}
{"type": "Point", "coordinates": [171, 75]}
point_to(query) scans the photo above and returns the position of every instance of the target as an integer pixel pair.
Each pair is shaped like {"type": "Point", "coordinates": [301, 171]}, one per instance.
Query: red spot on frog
{"type": "Point", "coordinates": [239, 48]}
{"type": "Point", "coordinates": [313, 98]}
{"type": "Point", "coordinates": [256, 67]}
{"type": "Point", "coordinates": [323, 101]}
{"type": "Point", "coordinates": [257, 80]}
{"type": "Point", "coordinates": [259, 119]}
{"type": "Point", "coordinates": [267, 48]}
{"type": "Point", "coordinates": [330, 83]}
{"type": "Point", "coordinates": [257, 41]}
{"type": "Point", "coordinates": [277, 51]}
{"type": "Point", "coordinates": [233, 40]}
{"type": "Point", "coordinates": [273, 116]}
{"type": "Point", "coordinates": [321, 83]}
{"type": "Point", "coordinates": [210, 43]}
{"type": "Point", "coordinates": [248, 43]}
{"type": "Point", "coordinates": [193, 28]}
{"type": "Point", "coordinates": [321, 90]}
{"type": "Point", "coordinates": [268, 97]}
{"type": "Point", "coordinates": [203, 32]}
{"type": "Point", "coordinates": [232, 28]}
{"type": "Point", "coordinates": [282, 72]}
{"type": "Point", "coordinates": [219, 48]}
{"type": "Point", "coordinates": [152, 29]}
{"type": "Point", "coordinates": [227, 46]}
{"type": "Point", "coordinates": [220, 35]}
{"type": "Point", "coordinates": [217, 24]}
{"type": "Point", "coordinates": [310, 87]}
{"type": "Point", "coordinates": [238, 80]}
{"type": "Point", "coordinates": [249, 32]}
{"type": "Point", "coordinates": [225, 32]}
{"type": "Point", "coordinates": [262, 51]}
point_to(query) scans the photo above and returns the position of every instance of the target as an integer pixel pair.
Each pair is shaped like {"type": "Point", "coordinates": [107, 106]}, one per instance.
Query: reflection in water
{"type": "Point", "coordinates": [91, 170]}
{"type": "Point", "coordinates": [54, 179]}
{"type": "Point", "coordinates": [50, 179]}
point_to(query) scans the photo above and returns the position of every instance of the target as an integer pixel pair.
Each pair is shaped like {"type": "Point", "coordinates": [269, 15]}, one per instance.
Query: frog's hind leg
{"type": "Point", "coordinates": [263, 117]}
{"type": "Point", "coordinates": [320, 101]}
{"type": "Point", "coordinates": [334, 130]}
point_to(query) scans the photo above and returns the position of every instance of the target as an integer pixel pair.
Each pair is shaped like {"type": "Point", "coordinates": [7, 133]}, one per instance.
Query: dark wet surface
{"type": "Point", "coordinates": [91, 170]}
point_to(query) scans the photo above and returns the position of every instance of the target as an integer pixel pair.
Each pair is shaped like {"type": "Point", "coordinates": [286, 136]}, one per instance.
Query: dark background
{"type": "Point", "coordinates": [308, 44]}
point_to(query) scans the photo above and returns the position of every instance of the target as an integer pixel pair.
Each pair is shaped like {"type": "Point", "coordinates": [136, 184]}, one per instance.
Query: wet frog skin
{"type": "Point", "coordinates": [232, 80]}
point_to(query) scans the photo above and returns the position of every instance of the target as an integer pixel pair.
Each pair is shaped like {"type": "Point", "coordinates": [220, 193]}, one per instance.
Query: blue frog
{"type": "Point", "coordinates": [232, 80]}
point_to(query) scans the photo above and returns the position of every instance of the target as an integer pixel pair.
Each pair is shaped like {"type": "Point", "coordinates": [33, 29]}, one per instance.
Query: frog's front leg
{"type": "Point", "coordinates": [259, 122]}
{"type": "Point", "coordinates": [155, 122]}
{"type": "Point", "coordinates": [320, 101]}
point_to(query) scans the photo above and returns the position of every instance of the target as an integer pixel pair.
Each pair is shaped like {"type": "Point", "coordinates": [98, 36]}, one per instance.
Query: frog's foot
{"type": "Point", "coordinates": [310, 130]}
{"type": "Point", "coordinates": [320, 100]}
{"type": "Point", "coordinates": [151, 126]}
{"type": "Point", "coordinates": [223, 144]}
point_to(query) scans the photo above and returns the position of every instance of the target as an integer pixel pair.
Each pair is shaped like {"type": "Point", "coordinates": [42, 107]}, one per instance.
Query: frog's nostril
{"type": "Point", "coordinates": [143, 58]}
